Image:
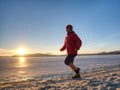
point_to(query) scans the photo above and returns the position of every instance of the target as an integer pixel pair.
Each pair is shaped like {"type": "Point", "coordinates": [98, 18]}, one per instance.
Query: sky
{"type": "Point", "coordinates": [39, 25]}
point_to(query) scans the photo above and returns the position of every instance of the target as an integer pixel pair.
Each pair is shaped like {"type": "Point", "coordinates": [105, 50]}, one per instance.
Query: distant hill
{"type": "Point", "coordinates": [33, 55]}
{"type": "Point", "coordinates": [104, 53]}
{"type": "Point", "coordinates": [46, 55]}
{"type": "Point", "coordinates": [112, 52]}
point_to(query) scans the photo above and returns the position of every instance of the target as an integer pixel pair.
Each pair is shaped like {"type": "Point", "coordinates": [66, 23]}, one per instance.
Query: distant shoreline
{"type": "Point", "coordinates": [50, 55]}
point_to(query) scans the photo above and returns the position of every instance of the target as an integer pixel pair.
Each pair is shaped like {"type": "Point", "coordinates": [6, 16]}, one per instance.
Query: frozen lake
{"type": "Point", "coordinates": [27, 67]}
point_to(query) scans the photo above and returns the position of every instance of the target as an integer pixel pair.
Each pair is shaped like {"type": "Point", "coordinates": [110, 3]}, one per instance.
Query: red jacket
{"type": "Point", "coordinates": [72, 43]}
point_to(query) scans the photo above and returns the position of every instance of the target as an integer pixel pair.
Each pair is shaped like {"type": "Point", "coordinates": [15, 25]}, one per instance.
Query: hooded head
{"type": "Point", "coordinates": [69, 28]}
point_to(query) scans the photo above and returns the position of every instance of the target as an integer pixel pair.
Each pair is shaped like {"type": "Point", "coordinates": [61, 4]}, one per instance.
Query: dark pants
{"type": "Point", "coordinates": [69, 59]}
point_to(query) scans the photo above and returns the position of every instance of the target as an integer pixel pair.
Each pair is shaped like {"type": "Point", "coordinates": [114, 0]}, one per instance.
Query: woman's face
{"type": "Point", "coordinates": [68, 30]}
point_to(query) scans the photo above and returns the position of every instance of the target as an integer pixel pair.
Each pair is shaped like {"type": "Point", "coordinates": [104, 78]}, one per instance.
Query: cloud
{"type": "Point", "coordinates": [112, 36]}
{"type": "Point", "coordinates": [100, 43]}
{"type": "Point", "coordinates": [6, 52]}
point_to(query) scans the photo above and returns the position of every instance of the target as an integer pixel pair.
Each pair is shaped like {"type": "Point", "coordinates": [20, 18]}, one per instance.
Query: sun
{"type": "Point", "coordinates": [21, 51]}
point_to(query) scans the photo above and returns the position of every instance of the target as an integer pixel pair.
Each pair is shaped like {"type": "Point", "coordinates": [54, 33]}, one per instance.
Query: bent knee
{"type": "Point", "coordinates": [66, 63]}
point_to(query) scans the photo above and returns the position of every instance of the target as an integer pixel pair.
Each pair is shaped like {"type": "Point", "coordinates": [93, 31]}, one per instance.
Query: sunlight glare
{"type": "Point", "coordinates": [21, 51]}
{"type": "Point", "coordinates": [22, 59]}
{"type": "Point", "coordinates": [22, 62]}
